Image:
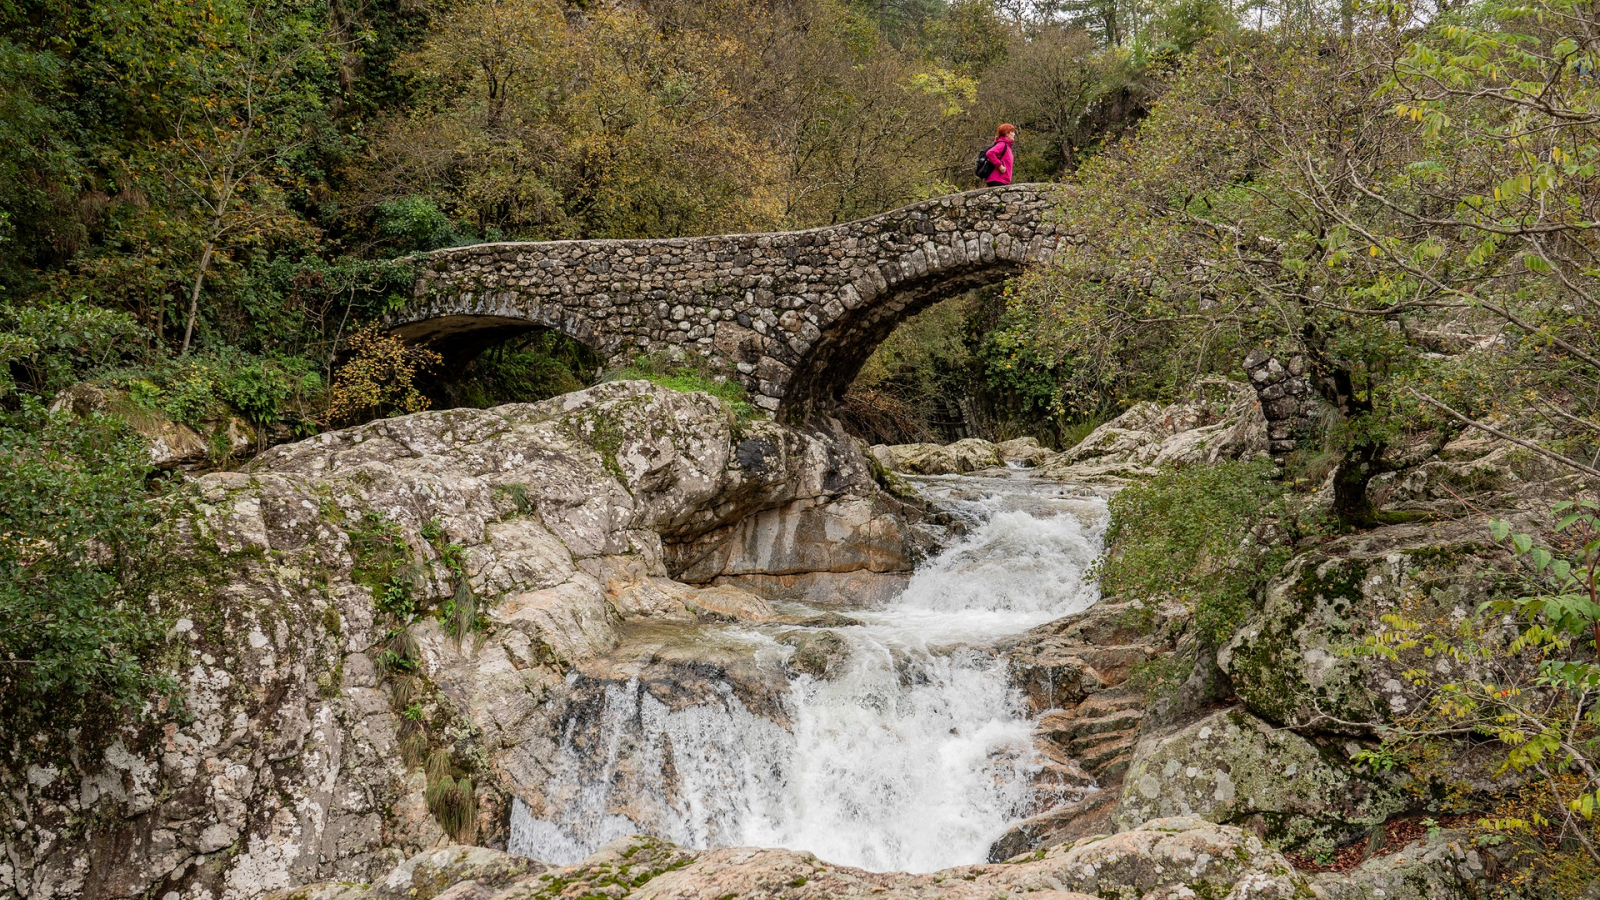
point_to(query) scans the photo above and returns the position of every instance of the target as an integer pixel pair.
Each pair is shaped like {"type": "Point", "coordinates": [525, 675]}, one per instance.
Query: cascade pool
{"type": "Point", "coordinates": [915, 755]}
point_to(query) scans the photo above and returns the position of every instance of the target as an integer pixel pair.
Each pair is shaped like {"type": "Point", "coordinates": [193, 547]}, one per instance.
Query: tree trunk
{"type": "Point", "coordinates": [1351, 505]}
{"type": "Point", "coordinates": [194, 296]}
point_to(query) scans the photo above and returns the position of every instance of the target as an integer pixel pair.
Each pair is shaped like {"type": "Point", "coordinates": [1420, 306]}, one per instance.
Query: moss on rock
{"type": "Point", "coordinates": [1303, 661]}
{"type": "Point", "coordinates": [1233, 768]}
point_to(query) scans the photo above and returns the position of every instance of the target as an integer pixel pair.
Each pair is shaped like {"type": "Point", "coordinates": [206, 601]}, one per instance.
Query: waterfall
{"type": "Point", "coordinates": [915, 755]}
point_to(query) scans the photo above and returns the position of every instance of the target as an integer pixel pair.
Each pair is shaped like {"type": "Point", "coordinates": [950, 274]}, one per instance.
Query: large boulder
{"type": "Point", "coordinates": [797, 551]}
{"type": "Point", "coordinates": [1023, 451]}
{"type": "Point", "coordinates": [171, 443]}
{"type": "Point", "coordinates": [1439, 868]}
{"type": "Point", "coordinates": [959, 458]}
{"type": "Point", "coordinates": [1304, 661]}
{"type": "Point", "coordinates": [1235, 769]}
{"type": "Point", "coordinates": [1223, 421]}
{"type": "Point", "coordinates": [296, 757]}
{"type": "Point", "coordinates": [1494, 472]}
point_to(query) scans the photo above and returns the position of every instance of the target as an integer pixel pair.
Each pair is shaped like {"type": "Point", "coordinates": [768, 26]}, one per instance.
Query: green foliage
{"type": "Point", "coordinates": [79, 553]}
{"type": "Point", "coordinates": [1188, 533]}
{"type": "Point", "coordinates": [1523, 672]}
{"type": "Point", "coordinates": [414, 223]}
{"type": "Point", "coordinates": [1455, 207]}
{"type": "Point", "coordinates": [542, 365]}
{"type": "Point", "coordinates": [227, 180]}
{"type": "Point", "coordinates": [689, 373]}
{"type": "Point", "coordinates": [47, 345]}
{"type": "Point", "coordinates": [941, 376]}
{"type": "Point", "coordinates": [908, 387]}
{"type": "Point", "coordinates": [384, 564]}
{"type": "Point", "coordinates": [200, 388]}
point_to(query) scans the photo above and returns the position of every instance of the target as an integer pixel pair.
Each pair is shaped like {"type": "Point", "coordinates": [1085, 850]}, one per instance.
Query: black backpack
{"type": "Point", "coordinates": [984, 168]}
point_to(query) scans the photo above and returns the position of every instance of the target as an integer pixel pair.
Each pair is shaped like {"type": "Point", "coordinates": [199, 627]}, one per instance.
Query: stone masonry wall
{"type": "Point", "coordinates": [795, 314]}
{"type": "Point", "coordinates": [1288, 400]}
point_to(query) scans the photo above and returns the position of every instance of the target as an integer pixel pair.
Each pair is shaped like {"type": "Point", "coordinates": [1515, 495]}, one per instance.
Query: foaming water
{"type": "Point", "coordinates": [916, 755]}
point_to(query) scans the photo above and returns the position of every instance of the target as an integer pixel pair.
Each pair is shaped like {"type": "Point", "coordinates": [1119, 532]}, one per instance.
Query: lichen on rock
{"type": "Point", "coordinates": [1303, 660]}
{"type": "Point", "coordinates": [1232, 768]}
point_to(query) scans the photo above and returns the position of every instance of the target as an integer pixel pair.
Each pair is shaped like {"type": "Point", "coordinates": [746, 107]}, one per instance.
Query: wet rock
{"type": "Point", "coordinates": [1099, 733]}
{"type": "Point", "coordinates": [850, 549]}
{"type": "Point", "coordinates": [684, 665]}
{"type": "Point", "coordinates": [1024, 451]}
{"type": "Point", "coordinates": [1167, 858]}
{"type": "Point", "coordinates": [1052, 676]}
{"type": "Point", "coordinates": [1233, 768]}
{"type": "Point", "coordinates": [1074, 821]}
{"type": "Point", "coordinates": [816, 653]}
{"type": "Point", "coordinates": [1074, 672]}
{"type": "Point", "coordinates": [829, 620]}
{"type": "Point", "coordinates": [1059, 664]}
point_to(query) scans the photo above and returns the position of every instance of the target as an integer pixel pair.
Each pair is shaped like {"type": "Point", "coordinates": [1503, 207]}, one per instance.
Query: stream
{"type": "Point", "coordinates": [914, 755]}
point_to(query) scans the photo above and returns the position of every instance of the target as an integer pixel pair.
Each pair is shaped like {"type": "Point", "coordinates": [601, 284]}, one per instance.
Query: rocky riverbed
{"type": "Point", "coordinates": [405, 631]}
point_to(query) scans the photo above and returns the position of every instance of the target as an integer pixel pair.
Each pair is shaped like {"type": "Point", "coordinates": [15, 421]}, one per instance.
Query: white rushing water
{"type": "Point", "coordinates": [915, 756]}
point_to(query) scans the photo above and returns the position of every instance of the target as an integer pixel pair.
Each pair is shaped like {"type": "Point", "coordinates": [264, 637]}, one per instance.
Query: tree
{"type": "Point", "coordinates": [1497, 208]}
{"type": "Point", "coordinates": [250, 75]}
{"type": "Point", "coordinates": [78, 544]}
{"type": "Point", "coordinates": [1274, 198]}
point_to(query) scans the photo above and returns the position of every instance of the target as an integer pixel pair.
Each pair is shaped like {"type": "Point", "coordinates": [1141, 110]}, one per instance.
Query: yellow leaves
{"type": "Point", "coordinates": [956, 92]}
{"type": "Point", "coordinates": [379, 379]}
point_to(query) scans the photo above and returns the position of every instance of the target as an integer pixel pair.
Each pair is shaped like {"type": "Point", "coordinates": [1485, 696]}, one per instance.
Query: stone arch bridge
{"type": "Point", "coordinates": [794, 314]}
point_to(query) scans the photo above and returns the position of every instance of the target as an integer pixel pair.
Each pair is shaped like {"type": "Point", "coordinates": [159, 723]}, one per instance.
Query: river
{"type": "Point", "coordinates": [915, 755]}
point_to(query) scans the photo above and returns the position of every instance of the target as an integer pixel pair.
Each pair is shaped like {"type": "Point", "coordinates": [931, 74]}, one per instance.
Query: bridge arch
{"type": "Point", "coordinates": [794, 314]}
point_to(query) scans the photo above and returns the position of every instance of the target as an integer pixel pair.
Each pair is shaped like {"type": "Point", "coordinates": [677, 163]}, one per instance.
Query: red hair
{"type": "Point", "coordinates": [1005, 130]}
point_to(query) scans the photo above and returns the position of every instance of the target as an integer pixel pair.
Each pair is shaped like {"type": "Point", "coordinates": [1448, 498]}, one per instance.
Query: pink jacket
{"type": "Point", "coordinates": [1004, 163]}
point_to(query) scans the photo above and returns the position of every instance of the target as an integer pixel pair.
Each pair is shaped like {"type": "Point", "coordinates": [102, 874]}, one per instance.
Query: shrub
{"type": "Point", "coordinates": [1520, 675]}
{"type": "Point", "coordinates": [414, 223]}
{"type": "Point", "coordinates": [46, 345]}
{"type": "Point", "coordinates": [380, 378]}
{"type": "Point", "coordinates": [77, 549]}
{"type": "Point", "coordinates": [1187, 533]}
{"type": "Point", "coordinates": [204, 387]}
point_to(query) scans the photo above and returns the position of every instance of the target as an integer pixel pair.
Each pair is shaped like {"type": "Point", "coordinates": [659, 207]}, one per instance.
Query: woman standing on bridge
{"type": "Point", "coordinates": [1000, 155]}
